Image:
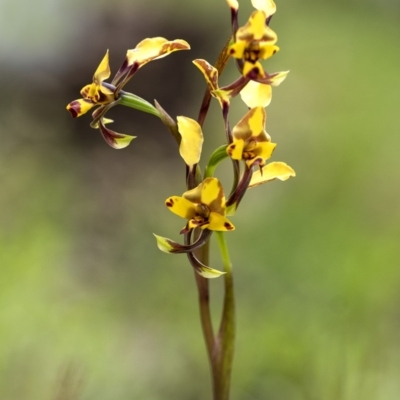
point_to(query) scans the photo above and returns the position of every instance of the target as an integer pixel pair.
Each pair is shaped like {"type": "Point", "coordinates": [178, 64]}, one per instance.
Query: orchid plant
{"type": "Point", "coordinates": [205, 204]}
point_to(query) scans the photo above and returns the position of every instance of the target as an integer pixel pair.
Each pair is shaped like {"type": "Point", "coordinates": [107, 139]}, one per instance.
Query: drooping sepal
{"type": "Point", "coordinates": [114, 139]}
{"type": "Point", "coordinates": [270, 172]}
{"type": "Point", "coordinates": [203, 270]}
{"type": "Point", "coordinates": [171, 247]}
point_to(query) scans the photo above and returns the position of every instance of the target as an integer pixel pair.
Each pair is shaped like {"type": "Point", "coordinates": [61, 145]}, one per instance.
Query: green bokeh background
{"type": "Point", "coordinates": [90, 309]}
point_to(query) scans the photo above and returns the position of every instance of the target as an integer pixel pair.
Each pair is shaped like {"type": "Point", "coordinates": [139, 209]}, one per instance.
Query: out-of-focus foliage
{"type": "Point", "coordinates": [90, 309]}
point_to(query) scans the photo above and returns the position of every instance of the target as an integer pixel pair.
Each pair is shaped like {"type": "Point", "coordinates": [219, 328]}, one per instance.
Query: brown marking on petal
{"type": "Point", "coordinates": [169, 203]}
{"type": "Point", "coordinates": [74, 108]}
{"type": "Point", "coordinates": [228, 226]}
{"type": "Point", "coordinates": [85, 91]}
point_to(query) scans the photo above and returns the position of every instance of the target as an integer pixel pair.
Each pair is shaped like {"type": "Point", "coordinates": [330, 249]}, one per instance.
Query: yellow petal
{"type": "Point", "coordinates": [256, 29]}
{"type": "Point", "coordinates": [233, 4]}
{"type": "Point", "coordinates": [257, 24]}
{"type": "Point", "coordinates": [263, 151]}
{"type": "Point", "coordinates": [272, 171]}
{"type": "Point", "coordinates": [268, 50]}
{"type": "Point", "coordinates": [181, 206]}
{"type": "Point", "coordinates": [253, 70]}
{"type": "Point", "coordinates": [194, 195]}
{"type": "Point", "coordinates": [238, 48]}
{"type": "Point", "coordinates": [212, 195]}
{"type": "Point", "coordinates": [218, 222]}
{"type": "Point", "coordinates": [252, 124]}
{"type": "Point", "coordinates": [153, 48]}
{"type": "Point", "coordinates": [103, 70]}
{"type": "Point", "coordinates": [79, 107]}
{"type": "Point", "coordinates": [192, 140]}
{"type": "Point", "coordinates": [256, 94]}
{"type": "Point", "coordinates": [268, 6]}
{"type": "Point", "coordinates": [235, 149]}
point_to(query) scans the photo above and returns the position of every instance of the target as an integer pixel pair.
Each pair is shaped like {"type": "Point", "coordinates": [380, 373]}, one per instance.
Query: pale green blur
{"type": "Point", "coordinates": [91, 309]}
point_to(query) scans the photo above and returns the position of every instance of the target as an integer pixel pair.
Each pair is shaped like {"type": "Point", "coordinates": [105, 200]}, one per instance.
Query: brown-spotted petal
{"type": "Point", "coordinates": [210, 73]}
{"type": "Point", "coordinates": [218, 222]}
{"type": "Point", "coordinates": [235, 149]}
{"type": "Point", "coordinates": [79, 107]}
{"type": "Point", "coordinates": [153, 48]}
{"type": "Point", "coordinates": [181, 206]}
{"type": "Point", "coordinates": [270, 172]}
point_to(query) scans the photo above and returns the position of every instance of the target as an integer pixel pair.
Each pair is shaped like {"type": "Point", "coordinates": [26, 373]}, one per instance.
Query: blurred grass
{"type": "Point", "coordinates": [91, 310]}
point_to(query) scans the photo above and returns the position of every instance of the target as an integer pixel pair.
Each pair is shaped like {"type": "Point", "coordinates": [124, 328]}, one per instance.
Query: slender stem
{"type": "Point", "coordinates": [220, 361]}
{"type": "Point", "coordinates": [225, 341]}
{"type": "Point", "coordinates": [204, 302]}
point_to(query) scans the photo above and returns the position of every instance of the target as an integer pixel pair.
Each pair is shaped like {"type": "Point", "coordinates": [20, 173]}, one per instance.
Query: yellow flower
{"type": "Point", "coordinates": [254, 41]}
{"type": "Point", "coordinates": [250, 141]}
{"type": "Point", "coordinates": [95, 93]}
{"type": "Point", "coordinates": [106, 96]}
{"type": "Point", "coordinates": [203, 206]}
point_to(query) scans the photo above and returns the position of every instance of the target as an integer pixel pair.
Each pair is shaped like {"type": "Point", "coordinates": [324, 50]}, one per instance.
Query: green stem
{"type": "Point", "coordinates": [220, 348]}
{"type": "Point", "coordinates": [133, 101]}
{"type": "Point", "coordinates": [203, 289]}
{"type": "Point", "coordinates": [225, 341]}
